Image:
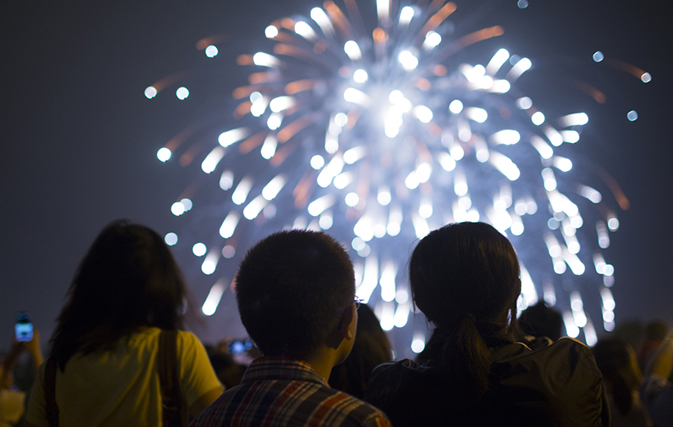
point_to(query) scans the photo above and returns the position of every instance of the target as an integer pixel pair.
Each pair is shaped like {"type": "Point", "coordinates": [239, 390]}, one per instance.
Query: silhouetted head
{"type": "Point", "coordinates": [371, 348]}
{"type": "Point", "coordinates": [617, 362]}
{"type": "Point", "coordinates": [127, 279]}
{"type": "Point", "coordinates": [463, 270]}
{"type": "Point", "coordinates": [292, 289]}
{"type": "Point", "coordinates": [541, 321]}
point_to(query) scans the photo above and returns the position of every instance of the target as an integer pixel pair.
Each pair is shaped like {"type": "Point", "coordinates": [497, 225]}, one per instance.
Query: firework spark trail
{"type": "Point", "coordinates": [383, 134]}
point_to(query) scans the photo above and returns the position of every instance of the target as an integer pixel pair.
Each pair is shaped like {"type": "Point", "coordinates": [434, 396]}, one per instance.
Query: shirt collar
{"type": "Point", "coordinates": [281, 368]}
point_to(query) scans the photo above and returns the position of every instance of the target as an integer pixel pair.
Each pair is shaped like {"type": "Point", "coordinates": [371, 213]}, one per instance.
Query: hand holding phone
{"type": "Point", "coordinates": [23, 328]}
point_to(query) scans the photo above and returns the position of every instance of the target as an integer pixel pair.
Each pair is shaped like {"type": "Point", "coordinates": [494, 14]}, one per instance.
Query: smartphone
{"type": "Point", "coordinates": [239, 346]}
{"type": "Point", "coordinates": [23, 327]}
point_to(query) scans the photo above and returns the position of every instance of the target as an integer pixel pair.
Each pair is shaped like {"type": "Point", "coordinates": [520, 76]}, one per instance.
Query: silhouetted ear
{"type": "Point", "coordinates": [349, 323]}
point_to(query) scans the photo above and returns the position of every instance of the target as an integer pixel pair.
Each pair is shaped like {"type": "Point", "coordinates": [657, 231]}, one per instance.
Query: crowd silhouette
{"type": "Point", "coordinates": [121, 356]}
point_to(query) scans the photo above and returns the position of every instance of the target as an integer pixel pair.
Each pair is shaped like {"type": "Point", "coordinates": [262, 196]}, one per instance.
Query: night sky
{"type": "Point", "coordinates": [79, 139]}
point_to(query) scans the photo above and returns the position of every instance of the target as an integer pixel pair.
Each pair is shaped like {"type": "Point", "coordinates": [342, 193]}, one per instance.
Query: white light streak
{"type": "Point", "coordinates": [518, 69]}
{"type": "Point", "coordinates": [479, 115]}
{"type": "Point", "coordinates": [432, 39]}
{"type": "Point", "coordinates": [408, 60]}
{"type": "Point", "coordinates": [447, 162]}
{"type": "Point", "coordinates": [570, 136]}
{"type": "Point", "coordinates": [524, 103]}
{"type": "Point", "coordinates": [265, 60]}
{"type": "Point", "coordinates": [500, 57]}
{"type": "Point", "coordinates": [383, 11]}
{"type": "Point", "coordinates": [571, 328]}
{"type": "Point", "coordinates": [323, 21]}
{"type": "Point", "coordinates": [406, 14]}
{"type": "Point", "coordinates": [590, 334]}
{"type": "Point", "coordinates": [549, 179]}
{"type": "Point", "coordinates": [553, 135]}
{"type": "Point", "coordinates": [210, 262]}
{"type": "Point", "coordinates": [423, 113]}
{"type": "Point", "coordinates": [420, 226]}
{"type": "Point", "coordinates": [281, 103]}
{"type": "Point", "coordinates": [319, 205]}
{"type": "Point", "coordinates": [613, 222]}
{"type": "Point", "coordinates": [342, 180]}
{"type": "Point", "coordinates": [504, 165]}
{"type": "Point", "coordinates": [271, 190]}
{"type": "Point", "coordinates": [528, 291]}
{"type": "Point", "coordinates": [232, 136]}
{"type": "Point", "coordinates": [387, 281]}
{"type": "Point", "coordinates": [212, 159]}
{"type": "Point", "coordinates": [332, 169]}
{"type": "Point", "coordinates": [305, 30]}
{"type": "Point", "coordinates": [226, 180]}
{"type": "Point", "coordinates": [352, 50]}
{"type": "Point", "coordinates": [274, 121]}
{"type": "Point", "coordinates": [213, 300]}
{"type": "Point", "coordinates": [563, 164]}
{"type": "Point", "coordinates": [369, 280]}
{"type": "Point", "coordinates": [255, 207]}
{"type": "Point", "coordinates": [506, 136]}
{"type": "Point", "coordinates": [603, 236]}
{"type": "Point", "coordinates": [394, 221]}
{"type": "Point", "coordinates": [240, 194]}
{"type": "Point", "coordinates": [326, 220]}
{"type": "Point", "coordinates": [229, 224]}
{"type": "Point", "coordinates": [269, 147]}
{"type": "Point", "coordinates": [356, 97]}
{"type": "Point", "coordinates": [387, 316]}
{"type": "Point", "coordinates": [608, 300]}
{"type": "Point", "coordinates": [575, 119]}
{"type": "Point", "coordinates": [354, 154]}
{"type": "Point", "coordinates": [418, 342]}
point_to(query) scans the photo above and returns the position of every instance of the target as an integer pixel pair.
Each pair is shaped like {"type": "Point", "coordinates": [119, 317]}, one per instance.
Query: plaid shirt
{"type": "Point", "coordinates": [279, 392]}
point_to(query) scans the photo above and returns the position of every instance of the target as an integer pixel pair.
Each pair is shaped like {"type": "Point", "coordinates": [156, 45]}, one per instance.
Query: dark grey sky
{"type": "Point", "coordinates": [78, 138]}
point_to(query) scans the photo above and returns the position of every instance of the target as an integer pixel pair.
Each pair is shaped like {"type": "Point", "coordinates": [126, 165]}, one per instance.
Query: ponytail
{"type": "Point", "coordinates": [466, 357]}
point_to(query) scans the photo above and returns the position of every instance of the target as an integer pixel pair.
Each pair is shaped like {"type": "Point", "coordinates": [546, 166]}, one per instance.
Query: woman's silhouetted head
{"type": "Point", "coordinates": [127, 279]}
{"type": "Point", "coordinates": [465, 278]}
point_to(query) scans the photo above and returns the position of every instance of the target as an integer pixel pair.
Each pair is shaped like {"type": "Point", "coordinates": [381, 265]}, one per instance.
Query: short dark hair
{"type": "Point", "coordinates": [292, 289]}
{"type": "Point", "coordinates": [541, 321]}
{"type": "Point", "coordinates": [127, 279]}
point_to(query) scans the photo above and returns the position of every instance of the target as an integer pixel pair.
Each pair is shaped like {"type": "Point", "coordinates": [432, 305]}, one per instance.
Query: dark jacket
{"type": "Point", "coordinates": [532, 383]}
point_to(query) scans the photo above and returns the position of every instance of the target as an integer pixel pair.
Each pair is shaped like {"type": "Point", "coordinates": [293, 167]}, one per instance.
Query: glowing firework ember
{"type": "Point", "coordinates": [382, 133]}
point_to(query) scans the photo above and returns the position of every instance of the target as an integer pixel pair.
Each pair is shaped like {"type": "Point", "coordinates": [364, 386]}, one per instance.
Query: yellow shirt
{"type": "Point", "coordinates": [121, 387]}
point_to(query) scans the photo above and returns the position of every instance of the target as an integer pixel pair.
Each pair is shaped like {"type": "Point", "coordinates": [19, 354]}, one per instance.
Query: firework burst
{"type": "Point", "coordinates": [380, 125]}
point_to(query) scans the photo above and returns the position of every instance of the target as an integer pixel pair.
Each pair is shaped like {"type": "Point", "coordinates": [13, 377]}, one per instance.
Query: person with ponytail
{"type": "Point", "coordinates": [477, 368]}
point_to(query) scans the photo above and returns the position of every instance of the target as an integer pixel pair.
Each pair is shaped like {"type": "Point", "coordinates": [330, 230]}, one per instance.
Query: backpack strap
{"type": "Point", "coordinates": [51, 408]}
{"type": "Point", "coordinates": [174, 411]}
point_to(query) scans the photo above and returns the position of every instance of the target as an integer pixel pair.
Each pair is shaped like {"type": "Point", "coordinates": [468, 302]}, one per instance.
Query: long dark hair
{"type": "Point", "coordinates": [128, 279]}
{"type": "Point", "coordinates": [465, 278]}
